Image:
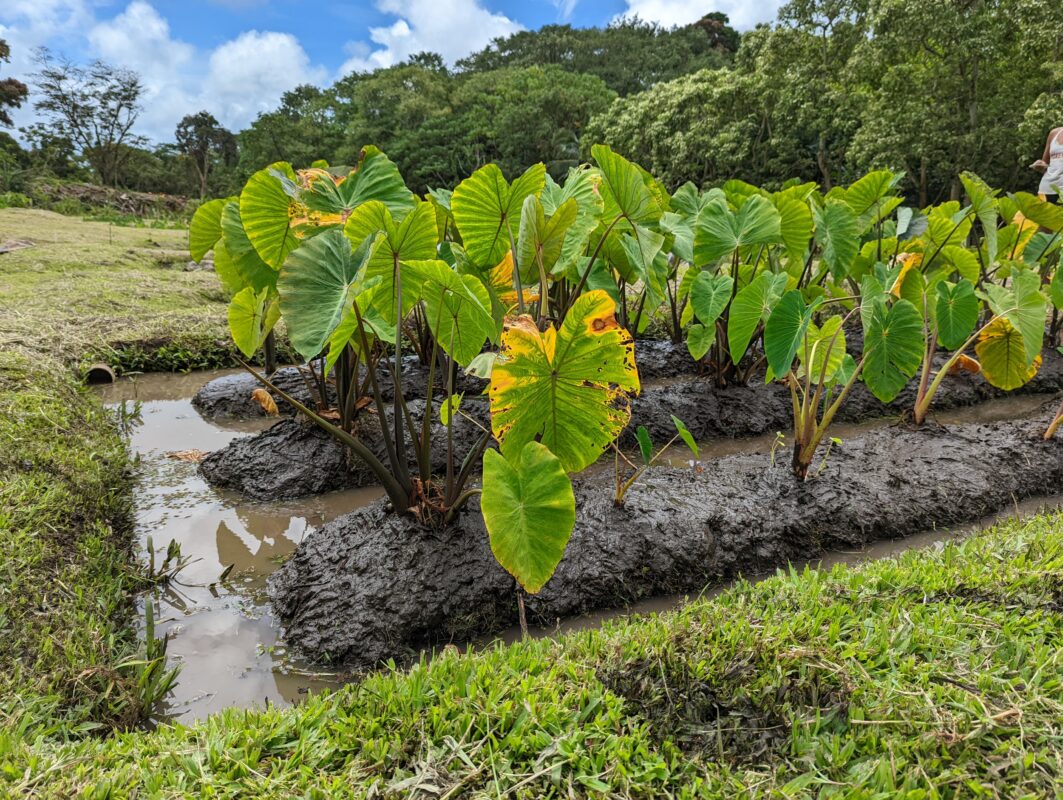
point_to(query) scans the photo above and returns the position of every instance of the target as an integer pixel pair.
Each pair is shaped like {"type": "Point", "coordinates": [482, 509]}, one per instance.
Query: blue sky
{"type": "Point", "coordinates": [236, 57]}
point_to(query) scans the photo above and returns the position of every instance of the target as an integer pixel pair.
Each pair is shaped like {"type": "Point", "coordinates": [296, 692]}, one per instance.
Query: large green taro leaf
{"type": "Point", "coordinates": [626, 190]}
{"type": "Point", "coordinates": [957, 310]}
{"type": "Point", "coordinates": [317, 286]}
{"type": "Point", "coordinates": [205, 228]}
{"type": "Point", "coordinates": [375, 178]}
{"type": "Point", "coordinates": [1024, 306]}
{"type": "Point", "coordinates": [784, 332]}
{"type": "Point", "coordinates": [458, 308]}
{"type": "Point", "coordinates": [252, 316]}
{"type": "Point", "coordinates": [565, 387]}
{"type": "Point", "coordinates": [752, 304]}
{"type": "Point", "coordinates": [487, 210]}
{"type": "Point", "coordinates": [838, 236]}
{"type": "Point", "coordinates": [265, 209]}
{"type": "Point", "coordinates": [236, 260]}
{"type": "Point", "coordinates": [893, 347]}
{"type": "Point", "coordinates": [719, 231]}
{"type": "Point", "coordinates": [709, 296]}
{"type": "Point", "coordinates": [542, 238]}
{"type": "Point", "coordinates": [529, 510]}
{"type": "Point", "coordinates": [412, 239]}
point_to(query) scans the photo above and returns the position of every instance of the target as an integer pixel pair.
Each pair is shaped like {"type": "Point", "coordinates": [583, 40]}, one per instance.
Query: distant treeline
{"type": "Point", "coordinates": [830, 90]}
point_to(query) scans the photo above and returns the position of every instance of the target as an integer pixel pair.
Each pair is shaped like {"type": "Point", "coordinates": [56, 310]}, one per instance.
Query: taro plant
{"type": "Point", "coordinates": [346, 255]}
{"type": "Point", "coordinates": [559, 399]}
{"type": "Point", "coordinates": [351, 263]}
{"type": "Point", "coordinates": [747, 247]}
{"type": "Point", "coordinates": [812, 359]}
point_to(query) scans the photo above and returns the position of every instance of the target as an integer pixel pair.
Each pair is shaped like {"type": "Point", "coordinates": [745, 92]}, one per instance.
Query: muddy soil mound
{"type": "Point", "coordinates": [295, 458]}
{"type": "Point", "coordinates": [755, 409]}
{"type": "Point", "coordinates": [370, 586]}
{"type": "Point", "coordinates": [229, 397]}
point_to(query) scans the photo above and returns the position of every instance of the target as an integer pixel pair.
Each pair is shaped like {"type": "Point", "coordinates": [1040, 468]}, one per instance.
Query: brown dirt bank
{"type": "Point", "coordinates": [371, 586]}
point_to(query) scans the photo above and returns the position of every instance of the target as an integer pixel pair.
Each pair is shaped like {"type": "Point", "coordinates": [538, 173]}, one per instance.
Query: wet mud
{"type": "Point", "coordinates": [371, 586]}
{"type": "Point", "coordinates": [296, 459]}
{"type": "Point", "coordinates": [229, 396]}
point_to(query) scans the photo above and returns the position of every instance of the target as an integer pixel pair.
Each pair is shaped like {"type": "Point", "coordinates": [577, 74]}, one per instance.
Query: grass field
{"type": "Point", "coordinates": [89, 291]}
{"type": "Point", "coordinates": [932, 675]}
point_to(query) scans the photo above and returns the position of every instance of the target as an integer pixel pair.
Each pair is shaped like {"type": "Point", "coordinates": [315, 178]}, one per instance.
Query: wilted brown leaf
{"type": "Point", "coordinates": [191, 456]}
{"type": "Point", "coordinates": [265, 399]}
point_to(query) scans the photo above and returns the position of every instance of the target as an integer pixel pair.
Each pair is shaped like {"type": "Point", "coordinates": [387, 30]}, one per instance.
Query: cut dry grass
{"type": "Point", "coordinates": [92, 291]}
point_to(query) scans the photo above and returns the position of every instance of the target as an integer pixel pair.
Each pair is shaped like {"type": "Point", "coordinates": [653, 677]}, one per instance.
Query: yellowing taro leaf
{"type": "Point", "coordinates": [909, 261]}
{"type": "Point", "coordinates": [1002, 352]}
{"type": "Point", "coordinates": [1026, 231]}
{"type": "Point", "coordinates": [566, 388]}
{"type": "Point", "coordinates": [500, 279]}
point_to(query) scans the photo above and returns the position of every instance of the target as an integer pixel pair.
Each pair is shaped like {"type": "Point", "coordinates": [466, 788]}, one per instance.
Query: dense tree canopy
{"type": "Point", "coordinates": [830, 90]}
{"type": "Point", "coordinates": [838, 87]}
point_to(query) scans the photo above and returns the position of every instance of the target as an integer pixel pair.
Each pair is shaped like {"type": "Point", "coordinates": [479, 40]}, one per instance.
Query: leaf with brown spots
{"type": "Point", "coordinates": [567, 388]}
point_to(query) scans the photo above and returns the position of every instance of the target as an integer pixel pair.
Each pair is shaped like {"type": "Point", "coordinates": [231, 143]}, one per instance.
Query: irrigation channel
{"type": "Point", "coordinates": [215, 613]}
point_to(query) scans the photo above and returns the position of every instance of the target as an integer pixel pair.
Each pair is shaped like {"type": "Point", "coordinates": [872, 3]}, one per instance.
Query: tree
{"type": "Point", "coordinates": [12, 92]}
{"type": "Point", "coordinates": [306, 127]}
{"type": "Point", "coordinates": [204, 142]}
{"type": "Point", "coordinates": [980, 65]}
{"type": "Point", "coordinates": [94, 107]}
{"type": "Point", "coordinates": [629, 55]}
{"type": "Point", "coordinates": [706, 128]}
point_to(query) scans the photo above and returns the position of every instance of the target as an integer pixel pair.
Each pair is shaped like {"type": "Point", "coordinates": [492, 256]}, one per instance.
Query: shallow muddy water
{"type": "Point", "coordinates": [222, 631]}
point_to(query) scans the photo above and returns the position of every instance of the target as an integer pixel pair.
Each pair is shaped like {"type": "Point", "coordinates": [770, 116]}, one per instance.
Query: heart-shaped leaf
{"type": "Point", "coordinates": [720, 231]}
{"type": "Point", "coordinates": [487, 210]}
{"type": "Point", "coordinates": [529, 510]}
{"type": "Point", "coordinates": [1002, 353]}
{"type": "Point", "coordinates": [265, 211]}
{"type": "Point", "coordinates": [752, 304]}
{"type": "Point", "coordinates": [252, 316]}
{"type": "Point", "coordinates": [957, 312]}
{"type": "Point", "coordinates": [893, 347]}
{"type": "Point", "coordinates": [317, 286]}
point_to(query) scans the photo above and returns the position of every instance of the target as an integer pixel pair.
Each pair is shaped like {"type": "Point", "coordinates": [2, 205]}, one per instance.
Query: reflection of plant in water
{"type": "Point", "coordinates": [128, 415]}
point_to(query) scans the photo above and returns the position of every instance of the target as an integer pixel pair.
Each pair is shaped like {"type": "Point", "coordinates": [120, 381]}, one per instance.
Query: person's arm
{"type": "Point", "coordinates": [1041, 164]}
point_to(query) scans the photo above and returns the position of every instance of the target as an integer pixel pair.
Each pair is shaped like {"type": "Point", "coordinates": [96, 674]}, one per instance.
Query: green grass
{"type": "Point", "coordinates": [933, 675]}
{"type": "Point", "coordinates": [83, 292]}
{"type": "Point", "coordinates": [64, 545]}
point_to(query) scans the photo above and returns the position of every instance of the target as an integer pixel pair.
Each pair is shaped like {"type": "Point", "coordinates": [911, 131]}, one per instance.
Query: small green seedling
{"type": "Point", "coordinates": [649, 458]}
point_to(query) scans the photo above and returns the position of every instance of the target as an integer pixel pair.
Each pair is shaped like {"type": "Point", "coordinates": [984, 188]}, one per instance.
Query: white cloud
{"type": "Point", "coordinates": [452, 28]}
{"type": "Point", "coordinates": [139, 39]}
{"type": "Point", "coordinates": [248, 75]}
{"type": "Point", "coordinates": [744, 14]}
{"type": "Point", "coordinates": [234, 81]}
{"type": "Point", "coordinates": [565, 8]}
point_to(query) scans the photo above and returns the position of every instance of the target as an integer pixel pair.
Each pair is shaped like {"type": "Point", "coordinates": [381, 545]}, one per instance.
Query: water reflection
{"type": "Point", "coordinates": [222, 632]}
